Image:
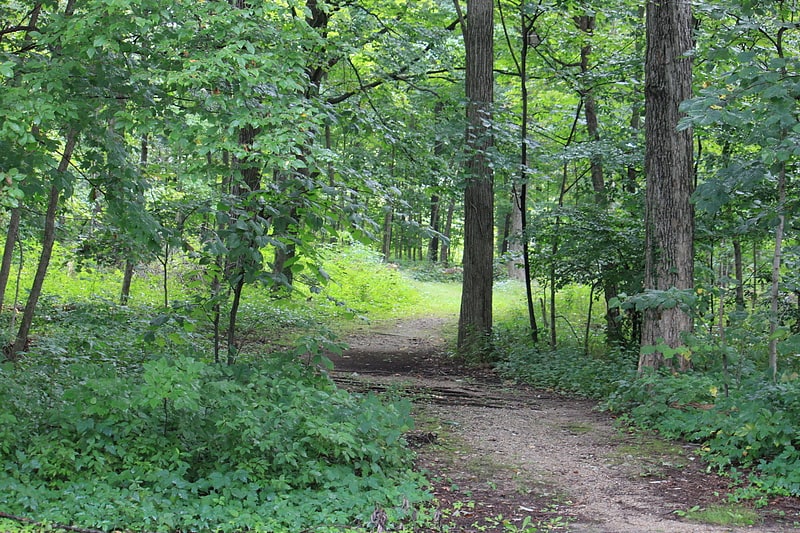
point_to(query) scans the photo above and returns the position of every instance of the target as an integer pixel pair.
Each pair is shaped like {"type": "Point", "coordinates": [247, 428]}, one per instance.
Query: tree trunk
{"type": "Point", "coordinates": [475, 319]}
{"type": "Point", "coordinates": [48, 239]}
{"type": "Point", "coordinates": [386, 248]}
{"type": "Point", "coordinates": [526, 262]}
{"type": "Point", "coordinates": [127, 278]}
{"type": "Point", "coordinates": [738, 267]}
{"type": "Point", "coordinates": [774, 292]}
{"type": "Point", "coordinates": [233, 345]}
{"type": "Point", "coordinates": [433, 245]}
{"type": "Point", "coordinates": [8, 251]}
{"type": "Point", "coordinates": [519, 205]}
{"type": "Point", "coordinates": [669, 215]}
{"type": "Point", "coordinates": [444, 254]}
{"type": "Point", "coordinates": [586, 23]}
{"type": "Point", "coordinates": [515, 234]}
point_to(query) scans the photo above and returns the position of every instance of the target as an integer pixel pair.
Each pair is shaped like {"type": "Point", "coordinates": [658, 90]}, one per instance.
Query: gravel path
{"type": "Point", "coordinates": [541, 454]}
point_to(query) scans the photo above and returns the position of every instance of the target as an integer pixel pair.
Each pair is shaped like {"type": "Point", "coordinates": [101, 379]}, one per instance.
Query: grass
{"type": "Point", "coordinates": [722, 515]}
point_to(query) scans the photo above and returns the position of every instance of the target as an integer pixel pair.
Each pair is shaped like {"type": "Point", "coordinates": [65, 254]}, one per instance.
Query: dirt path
{"type": "Point", "coordinates": [494, 448]}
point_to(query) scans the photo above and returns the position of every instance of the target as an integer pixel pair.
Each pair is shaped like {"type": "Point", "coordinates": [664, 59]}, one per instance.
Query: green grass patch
{"type": "Point", "coordinates": [722, 515]}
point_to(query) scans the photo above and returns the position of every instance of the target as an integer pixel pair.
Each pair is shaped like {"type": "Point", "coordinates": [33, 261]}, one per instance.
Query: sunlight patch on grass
{"type": "Point", "coordinates": [509, 301]}
{"type": "Point", "coordinates": [437, 299]}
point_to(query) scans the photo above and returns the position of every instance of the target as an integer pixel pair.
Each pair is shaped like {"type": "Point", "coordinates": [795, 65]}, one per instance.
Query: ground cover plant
{"type": "Point", "coordinates": [117, 417]}
{"type": "Point", "coordinates": [181, 444]}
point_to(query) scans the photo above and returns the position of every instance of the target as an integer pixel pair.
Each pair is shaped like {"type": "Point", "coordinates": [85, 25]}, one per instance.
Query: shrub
{"type": "Point", "coordinates": [567, 369]}
{"type": "Point", "coordinates": [184, 445]}
{"type": "Point", "coordinates": [753, 429]}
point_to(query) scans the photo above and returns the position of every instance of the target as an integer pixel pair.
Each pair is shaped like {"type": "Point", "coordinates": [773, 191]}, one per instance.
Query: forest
{"type": "Point", "coordinates": [199, 196]}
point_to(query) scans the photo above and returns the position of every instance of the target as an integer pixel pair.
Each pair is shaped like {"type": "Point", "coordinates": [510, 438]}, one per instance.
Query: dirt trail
{"type": "Point", "coordinates": [519, 452]}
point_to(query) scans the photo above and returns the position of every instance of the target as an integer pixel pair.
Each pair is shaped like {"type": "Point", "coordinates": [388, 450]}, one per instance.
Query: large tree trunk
{"type": "Point", "coordinates": [669, 215]}
{"type": "Point", "coordinates": [475, 319]}
{"type": "Point", "coordinates": [48, 239]}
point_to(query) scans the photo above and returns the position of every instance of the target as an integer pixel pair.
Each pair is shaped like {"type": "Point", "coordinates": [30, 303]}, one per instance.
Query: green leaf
{"type": "Point", "coordinates": [7, 69]}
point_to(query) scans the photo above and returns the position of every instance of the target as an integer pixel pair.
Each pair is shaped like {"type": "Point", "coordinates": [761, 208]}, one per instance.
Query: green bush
{"type": "Point", "coordinates": [567, 369]}
{"type": "Point", "coordinates": [752, 430]}
{"type": "Point", "coordinates": [184, 445]}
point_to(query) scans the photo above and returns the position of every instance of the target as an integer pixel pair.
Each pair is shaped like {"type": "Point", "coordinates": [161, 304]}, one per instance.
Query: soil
{"type": "Point", "coordinates": [500, 455]}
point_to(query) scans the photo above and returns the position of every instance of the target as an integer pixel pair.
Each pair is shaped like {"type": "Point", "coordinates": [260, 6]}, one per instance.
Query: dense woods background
{"type": "Point", "coordinates": [229, 150]}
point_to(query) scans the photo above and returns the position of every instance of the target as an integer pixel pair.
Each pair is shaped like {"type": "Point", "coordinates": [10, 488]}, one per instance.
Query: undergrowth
{"type": "Point", "coordinates": [568, 369]}
{"type": "Point", "coordinates": [179, 444]}
{"type": "Point", "coordinates": [750, 433]}
{"type": "Point", "coordinates": [117, 419]}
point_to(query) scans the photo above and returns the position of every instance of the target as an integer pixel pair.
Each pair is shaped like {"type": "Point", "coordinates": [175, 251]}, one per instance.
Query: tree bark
{"type": "Point", "coordinates": [386, 246]}
{"type": "Point", "coordinates": [475, 319]}
{"type": "Point", "coordinates": [669, 214]}
{"type": "Point", "coordinates": [433, 244]}
{"type": "Point", "coordinates": [586, 23]}
{"type": "Point", "coordinates": [48, 239]}
{"type": "Point", "coordinates": [738, 266]}
{"type": "Point", "coordinates": [515, 231]}
{"type": "Point", "coordinates": [127, 278]}
{"type": "Point", "coordinates": [8, 251]}
{"type": "Point", "coordinates": [774, 293]}
{"type": "Point", "coordinates": [444, 254]}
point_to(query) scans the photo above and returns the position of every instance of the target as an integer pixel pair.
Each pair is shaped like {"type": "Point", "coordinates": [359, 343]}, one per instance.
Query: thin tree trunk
{"type": "Point", "coordinates": [233, 347]}
{"type": "Point", "coordinates": [48, 239]}
{"type": "Point", "coordinates": [586, 23]}
{"type": "Point", "coordinates": [588, 327]}
{"type": "Point", "coordinates": [127, 279]}
{"type": "Point", "coordinates": [165, 275]}
{"type": "Point", "coordinates": [127, 276]}
{"type": "Point", "coordinates": [386, 248]}
{"type": "Point", "coordinates": [557, 225]}
{"type": "Point", "coordinates": [774, 292]}
{"type": "Point", "coordinates": [216, 315]}
{"type": "Point", "coordinates": [754, 292]}
{"type": "Point", "coordinates": [738, 272]}
{"type": "Point", "coordinates": [8, 251]}
{"type": "Point", "coordinates": [433, 245]}
{"type": "Point", "coordinates": [520, 206]}
{"type": "Point", "coordinates": [12, 233]}
{"type": "Point", "coordinates": [516, 235]}
{"type": "Point", "coordinates": [444, 255]}
{"type": "Point", "coordinates": [526, 262]}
